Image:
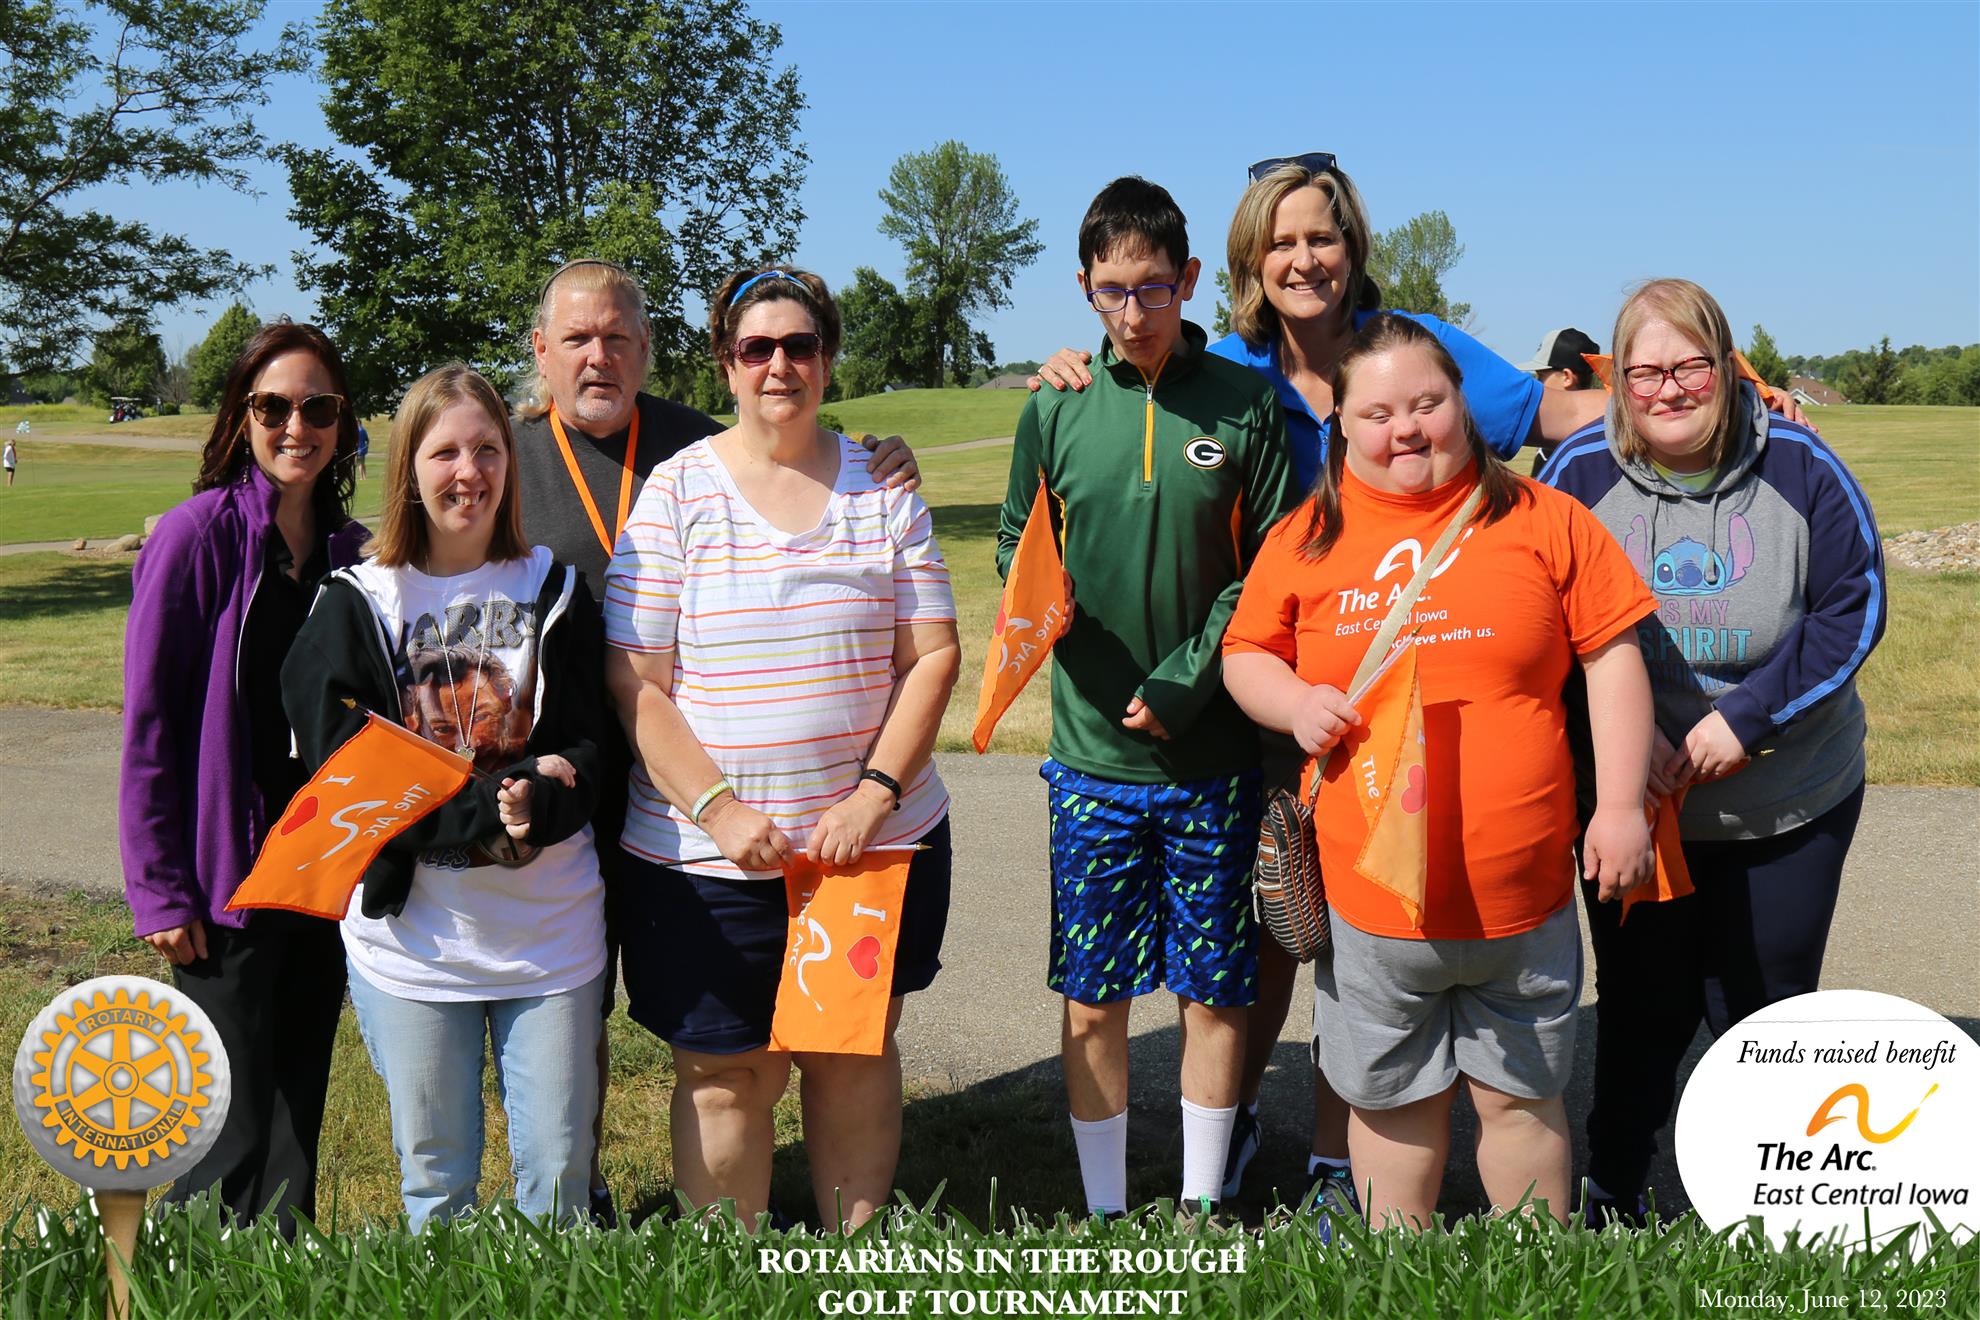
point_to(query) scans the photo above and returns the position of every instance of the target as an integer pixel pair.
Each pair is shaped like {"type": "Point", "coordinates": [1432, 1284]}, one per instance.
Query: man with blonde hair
{"type": "Point", "coordinates": [585, 443]}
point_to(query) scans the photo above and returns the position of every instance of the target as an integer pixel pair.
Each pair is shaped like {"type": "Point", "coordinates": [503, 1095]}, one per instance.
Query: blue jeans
{"type": "Point", "coordinates": [546, 1064]}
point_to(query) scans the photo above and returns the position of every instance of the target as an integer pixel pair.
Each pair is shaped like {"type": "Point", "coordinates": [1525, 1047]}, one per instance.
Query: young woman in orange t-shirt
{"type": "Point", "coordinates": [1481, 982]}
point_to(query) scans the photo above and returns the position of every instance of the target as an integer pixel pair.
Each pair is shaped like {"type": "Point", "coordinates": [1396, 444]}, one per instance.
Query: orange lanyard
{"type": "Point", "coordinates": [584, 491]}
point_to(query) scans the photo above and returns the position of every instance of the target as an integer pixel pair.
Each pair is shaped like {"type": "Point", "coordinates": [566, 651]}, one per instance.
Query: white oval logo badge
{"type": "Point", "coordinates": [1842, 1111]}
{"type": "Point", "coordinates": [1205, 451]}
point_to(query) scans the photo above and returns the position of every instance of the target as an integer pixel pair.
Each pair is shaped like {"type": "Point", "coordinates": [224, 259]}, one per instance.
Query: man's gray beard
{"type": "Point", "coordinates": [593, 412]}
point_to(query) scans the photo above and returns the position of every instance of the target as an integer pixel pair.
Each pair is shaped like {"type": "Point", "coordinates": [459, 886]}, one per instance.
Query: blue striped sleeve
{"type": "Point", "coordinates": [1846, 596]}
{"type": "Point", "coordinates": [1590, 439]}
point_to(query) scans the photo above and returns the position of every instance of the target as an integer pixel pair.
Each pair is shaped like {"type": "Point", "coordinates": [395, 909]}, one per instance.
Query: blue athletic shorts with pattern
{"type": "Point", "coordinates": [1151, 886]}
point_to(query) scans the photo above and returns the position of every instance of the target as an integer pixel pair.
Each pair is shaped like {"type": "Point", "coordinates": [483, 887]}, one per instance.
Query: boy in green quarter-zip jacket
{"type": "Point", "coordinates": [1166, 473]}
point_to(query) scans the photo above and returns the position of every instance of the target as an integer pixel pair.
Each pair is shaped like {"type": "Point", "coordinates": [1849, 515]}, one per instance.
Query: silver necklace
{"type": "Point", "coordinates": [462, 729]}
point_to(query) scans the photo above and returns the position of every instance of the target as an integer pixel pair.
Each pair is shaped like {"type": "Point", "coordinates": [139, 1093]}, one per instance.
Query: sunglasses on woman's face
{"type": "Point", "coordinates": [759, 349]}
{"type": "Point", "coordinates": [318, 410]}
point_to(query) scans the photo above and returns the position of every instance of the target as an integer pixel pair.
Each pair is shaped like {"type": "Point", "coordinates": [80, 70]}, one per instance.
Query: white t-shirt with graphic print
{"type": "Point", "coordinates": [464, 651]}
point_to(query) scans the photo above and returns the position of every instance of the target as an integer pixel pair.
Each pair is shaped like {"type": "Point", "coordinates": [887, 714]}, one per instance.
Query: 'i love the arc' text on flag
{"type": "Point", "coordinates": [1030, 618]}
{"type": "Point", "coordinates": [845, 924]}
{"type": "Point", "coordinates": [371, 789]}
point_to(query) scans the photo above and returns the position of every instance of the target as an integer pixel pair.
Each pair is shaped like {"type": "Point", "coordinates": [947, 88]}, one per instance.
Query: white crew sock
{"type": "Point", "coordinates": [1102, 1147]}
{"type": "Point", "coordinates": [1315, 1163]}
{"type": "Point", "coordinates": [1206, 1144]}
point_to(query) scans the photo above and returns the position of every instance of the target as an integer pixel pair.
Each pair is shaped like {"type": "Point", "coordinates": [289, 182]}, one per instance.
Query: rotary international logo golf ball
{"type": "Point", "coordinates": [121, 1083]}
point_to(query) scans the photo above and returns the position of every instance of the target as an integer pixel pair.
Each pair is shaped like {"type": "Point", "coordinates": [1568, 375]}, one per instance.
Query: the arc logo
{"type": "Point", "coordinates": [1205, 451]}
{"type": "Point", "coordinates": [1407, 554]}
{"type": "Point", "coordinates": [1824, 1115]}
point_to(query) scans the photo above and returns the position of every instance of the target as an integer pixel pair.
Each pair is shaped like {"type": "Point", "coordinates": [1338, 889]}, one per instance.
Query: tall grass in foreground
{"type": "Point", "coordinates": [497, 1265]}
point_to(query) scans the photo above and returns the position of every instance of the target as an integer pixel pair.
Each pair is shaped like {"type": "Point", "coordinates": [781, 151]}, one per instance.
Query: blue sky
{"type": "Point", "coordinates": [1817, 166]}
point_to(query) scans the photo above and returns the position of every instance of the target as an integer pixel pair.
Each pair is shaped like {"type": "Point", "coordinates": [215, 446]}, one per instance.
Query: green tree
{"type": "Point", "coordinates": [1944, 381]}
{"type": "Point", "coordinates": [1766, 358]}
{"type": "Point", "coordinates": [882, 327]}
{"type": "Point", "coordinates": [50, 386]}
{"type": "Point", "coordinates": [1220, 324]}
{"type": "Point", "coordinates": [100, 93]}
{"type": "Point", "coordinates": [127, 361]}
{"type": "Point", "coordinates": [496, 138]}
{"type": "Point", "coordinates": [1875, 378]}
{"type": "Point", "coordinates": [954, 212]}
{"type": "Point", "coordinates": [207, 370]}
{"type": "Point", "coordinates": [1410, 261]}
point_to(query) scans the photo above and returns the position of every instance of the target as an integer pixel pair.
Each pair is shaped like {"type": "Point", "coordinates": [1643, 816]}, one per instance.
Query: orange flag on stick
{"type": "Point", "coordinates": [1390, 770]}
{"type": "Point", "coordinates": [1673, 874]}
{"type": "Point", "coordinates": [839, 956]}
{"type": "Point", "coordinates": [372, 788]}
{"type": "Point", "coordinates": [1030, 618]}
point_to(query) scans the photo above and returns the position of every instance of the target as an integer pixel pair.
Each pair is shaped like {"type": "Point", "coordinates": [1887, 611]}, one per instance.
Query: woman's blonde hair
{"type": "Point", "coordinates": [1252, 316]}
{"type": "Point", "coordinates": [402, 532]}
{"type": "Point", "coordinates": [1697, 316]}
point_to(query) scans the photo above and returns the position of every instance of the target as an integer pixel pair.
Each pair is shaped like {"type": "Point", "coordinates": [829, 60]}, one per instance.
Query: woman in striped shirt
{"type": "Point", "coordinates": [782, 645]}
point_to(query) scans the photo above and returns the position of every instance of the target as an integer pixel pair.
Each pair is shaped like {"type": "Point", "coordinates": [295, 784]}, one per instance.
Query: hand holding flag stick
{"type": "Point", "coordinates": [512, 800]}
{"type": "Point", "coordinates": [377, 785]}
{"type": "Point", "coordinates": [1402, 643]}
{"type": "Point", "coordinates": [1673, 878]}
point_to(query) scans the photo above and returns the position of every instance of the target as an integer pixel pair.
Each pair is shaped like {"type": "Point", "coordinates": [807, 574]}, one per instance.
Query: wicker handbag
{"type": "Point", "coordinates": [1292, 896]}
{"type": "Point", "coordinates": [1292, 900]}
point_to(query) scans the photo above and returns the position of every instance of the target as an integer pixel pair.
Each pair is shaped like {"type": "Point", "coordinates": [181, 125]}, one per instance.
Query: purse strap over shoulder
{"type": "Point", "coordinates": [1385, 636]}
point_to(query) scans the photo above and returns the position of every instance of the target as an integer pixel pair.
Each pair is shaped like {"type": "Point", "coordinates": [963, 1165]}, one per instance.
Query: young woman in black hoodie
{"type": "Point", "coordinates": [486, 918]}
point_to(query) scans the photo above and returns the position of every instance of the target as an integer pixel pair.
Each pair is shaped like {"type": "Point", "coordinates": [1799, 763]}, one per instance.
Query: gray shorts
{"type": "Point", "coordinates": [1395, 1020]}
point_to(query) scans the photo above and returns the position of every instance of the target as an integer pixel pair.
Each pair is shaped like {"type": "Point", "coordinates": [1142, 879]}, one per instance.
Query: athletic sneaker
{"type": "Point", "coordinates": [1332, 1197]}
{"type": "Point", "coordinates": [1244, 1145]}
{"type": "Point", "coordinates": [1203, 1218]}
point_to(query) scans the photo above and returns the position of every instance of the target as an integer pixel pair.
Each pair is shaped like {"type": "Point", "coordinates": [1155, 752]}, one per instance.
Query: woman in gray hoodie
{"type": "Point", "coordinates": [1769, 575]}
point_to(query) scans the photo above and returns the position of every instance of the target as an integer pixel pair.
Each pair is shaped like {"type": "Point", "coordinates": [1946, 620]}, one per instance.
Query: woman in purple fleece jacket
{"type": "Point", "coordinates": [219, 592]}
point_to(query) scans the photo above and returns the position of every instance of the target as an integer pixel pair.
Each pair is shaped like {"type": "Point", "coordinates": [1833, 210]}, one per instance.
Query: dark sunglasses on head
{"type": "Point", "coordinates": [759, 349]}
{"type": "Point", "coordinates": [1314, 162]}
{"type": "Point", "coordinates": [272, 410]}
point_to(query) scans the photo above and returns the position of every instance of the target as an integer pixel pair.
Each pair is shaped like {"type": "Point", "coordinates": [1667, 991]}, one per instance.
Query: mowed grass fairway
{"type": "Point", "coordinates": [52, 421]}
{"type": "Point", "coordinates": [929, 419]}
{"type": "Point", "coordinates": [66, 491]}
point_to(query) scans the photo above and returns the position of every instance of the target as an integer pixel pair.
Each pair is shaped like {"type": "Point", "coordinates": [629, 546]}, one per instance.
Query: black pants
{"type": "Point", "coordinates": [274, 991]}
{"type": "Point", "coordinates": [1752, 935]}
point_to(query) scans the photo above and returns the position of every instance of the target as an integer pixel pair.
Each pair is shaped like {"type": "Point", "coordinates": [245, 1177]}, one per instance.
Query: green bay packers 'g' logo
{"type": "Point", "coordinates": [121, 1083]}
{"type": "Point", "coordinates": [1205, 451]}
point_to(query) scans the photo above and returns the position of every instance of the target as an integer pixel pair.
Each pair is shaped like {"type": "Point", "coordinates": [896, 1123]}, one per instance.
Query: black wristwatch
{"type": "Point", "coordinates": [886, 781]}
